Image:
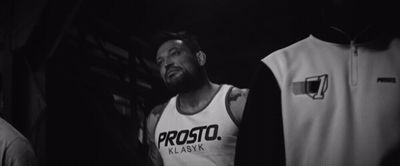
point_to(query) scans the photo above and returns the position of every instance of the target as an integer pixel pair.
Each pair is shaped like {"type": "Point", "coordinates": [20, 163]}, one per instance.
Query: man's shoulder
{"type": "Point", "coordinates": [236, 93]}
{"type": "Point", "coordinates": [236, 100]}
{"type": "Point", "coordinates": [158, 109]}
{"type": "Point", "coordinates": [17, 146]}
{"type": "Point", "coordinates": [154, 115]}
{"type": "Point", "coordinates": [8, 132]}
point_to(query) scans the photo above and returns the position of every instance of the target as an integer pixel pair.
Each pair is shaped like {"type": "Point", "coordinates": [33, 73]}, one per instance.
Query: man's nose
{"type": "Point", "coordinates": [168, 62]}
{"type": "Point", "coordinates": [168, 65]}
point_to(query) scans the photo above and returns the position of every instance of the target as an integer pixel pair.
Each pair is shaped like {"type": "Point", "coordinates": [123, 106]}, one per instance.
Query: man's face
{"type": "Point", "coordinates": [179, 68]}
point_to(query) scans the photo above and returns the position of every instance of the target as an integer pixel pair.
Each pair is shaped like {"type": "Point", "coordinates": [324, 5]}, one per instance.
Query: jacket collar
{"type": "Point", "coordinates": [336, 35]}
{"type": "Point", "coordinates": [372, 37]}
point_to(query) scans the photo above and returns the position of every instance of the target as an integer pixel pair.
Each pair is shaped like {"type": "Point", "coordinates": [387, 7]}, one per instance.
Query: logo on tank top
{"type": "Point", "coordinates": [315, 87]}
{"type": "Point", "coordinates": [188, 141]}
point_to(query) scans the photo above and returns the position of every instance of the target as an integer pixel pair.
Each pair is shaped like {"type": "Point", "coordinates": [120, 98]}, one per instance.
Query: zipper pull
{"type": "Point", "coordinates": [354, 47]}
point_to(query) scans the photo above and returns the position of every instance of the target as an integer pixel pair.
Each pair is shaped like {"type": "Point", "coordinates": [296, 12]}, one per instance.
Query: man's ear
{"type": "Point", "coordinates": [201, 58]}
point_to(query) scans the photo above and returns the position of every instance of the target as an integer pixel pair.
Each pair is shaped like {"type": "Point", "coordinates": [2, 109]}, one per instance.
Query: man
{"type": "Point", "coordinates": [15, 149]}
{"type": "Point", "coordinates": [198, 126]}
{"type": "Point", "coordinates": [332, 98]}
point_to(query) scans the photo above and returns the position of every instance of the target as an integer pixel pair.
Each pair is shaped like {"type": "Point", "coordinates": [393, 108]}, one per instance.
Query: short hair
{"type": "Point", "coordinates": [188, 39]}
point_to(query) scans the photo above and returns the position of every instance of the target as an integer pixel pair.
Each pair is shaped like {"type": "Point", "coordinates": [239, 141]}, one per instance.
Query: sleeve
{"type": "Point", "coordinates": [260, 140]}
{"type": "Point", "coordinates": [20, 153]}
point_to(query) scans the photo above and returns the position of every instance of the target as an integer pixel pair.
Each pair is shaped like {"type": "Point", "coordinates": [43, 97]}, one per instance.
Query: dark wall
{"type": "Point", "coordinates": [83, 126]}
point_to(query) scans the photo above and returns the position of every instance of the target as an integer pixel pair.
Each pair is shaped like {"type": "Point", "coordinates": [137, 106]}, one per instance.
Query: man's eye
{"type": "Point", "coordinates": [175, 53]}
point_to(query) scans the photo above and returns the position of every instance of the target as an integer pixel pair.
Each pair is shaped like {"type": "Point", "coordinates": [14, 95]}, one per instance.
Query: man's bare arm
{"type": "Point", "coordinates": [236, 102]}
{"type": "Point", "coordinates": [154, 157]}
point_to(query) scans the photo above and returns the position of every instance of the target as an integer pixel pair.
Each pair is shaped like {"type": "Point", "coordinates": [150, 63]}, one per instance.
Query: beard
{"type": "Point", "coordinates": [185, 82]}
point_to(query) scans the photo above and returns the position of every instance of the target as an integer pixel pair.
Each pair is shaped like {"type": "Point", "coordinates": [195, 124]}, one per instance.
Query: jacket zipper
{"type": "Point", "coordinates": [353, 63]}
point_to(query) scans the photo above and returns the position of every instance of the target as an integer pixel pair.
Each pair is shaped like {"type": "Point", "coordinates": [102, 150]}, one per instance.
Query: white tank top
{"type": "Point", "coordinates": [206, 138]}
